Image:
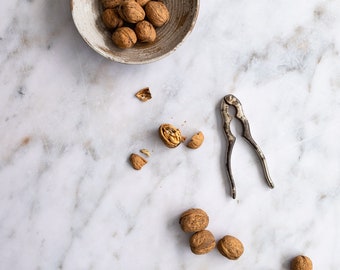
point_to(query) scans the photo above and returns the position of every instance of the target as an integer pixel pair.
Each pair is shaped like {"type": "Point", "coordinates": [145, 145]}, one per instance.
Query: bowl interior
{"type": "Point", "coordinates": [183, 14]}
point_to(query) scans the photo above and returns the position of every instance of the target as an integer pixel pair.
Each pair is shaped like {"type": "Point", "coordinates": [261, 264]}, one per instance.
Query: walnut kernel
{"type": "Point", "coordinates": [130, 11]}
{"type": "Point", "coordinates": [196, 140]}
{"type": "Point", "coordinates": [145, 31]}
{"type": "Point", "coordinates": [170, 135]}
{"type": "Point", "coordinates": [230, 247]}
{"type": "Point", "coordinates": [124, 37]}
{"type": "Point", "coordinates": [137, 161]}
{"type": "Point", "coordinates": [194, 220]}
{"type": "Point", "coordinates": [111, 19]}
{"type": "Point", "coordinates": [301, 263]}
{"type": "Point", "coordinates": [157, 13]}
{"type": "Point", "coordinates": [144, 94]}
{"type": "Point", "coordinates": [202, 242]}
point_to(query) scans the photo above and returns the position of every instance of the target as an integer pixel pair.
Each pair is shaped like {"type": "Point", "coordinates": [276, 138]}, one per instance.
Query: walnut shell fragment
{"type": "Point", "coordinates": [144, 94]}
{"type": "Point", "coordinates": [301, 263]}
{"type": "Point", "coordinates": [202, 242]}
{"type": "Point", "coordinates": [137, 161]}
{"type": "Point", "coordinates": [230, 247]}
{"type": "Point", "coordinates": [170, 135]}
{"type": "Point", "coordinates": [194, 220]}
{"type": "Point", "coordinates": [196, 140]}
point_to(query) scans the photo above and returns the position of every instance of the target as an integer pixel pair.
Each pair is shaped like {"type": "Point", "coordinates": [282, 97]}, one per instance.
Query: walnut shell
{"type": "Point", "coordinates": [230, 247]}
{"type": "Point", "coordinates": [194, 220]}
{"type": "Point", "coordinates": [124, 37]}
{"type": "Point", "coordinates": [142, 2]}
{"type": "Point", "coordinates": [144, 94]}
{"type": "Point", "coordinates": [157, 13]}
{"type": "Point", "coordinates": [202, 242]}
{"type": "Point", "coordinates": [170, 135]}
{"type": "Point", "coordinates": [301, 263]}
{"type": "Point", "coordinates": [137, 161]}
{"type": "Point", "coordinates": [111, 19]}
{"type": "Point", "coordinates": [145, 32]}
{"type": "Point", "coordinates": [110, 3]}
{"type": "Point", "coordinates": [196, 140]}
{"type": "Point", "coordinates": [131, 12]}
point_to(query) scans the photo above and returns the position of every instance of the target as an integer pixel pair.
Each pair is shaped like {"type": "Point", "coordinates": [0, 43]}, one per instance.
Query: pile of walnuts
{"type": "Point", "coordinates": [133, 20]}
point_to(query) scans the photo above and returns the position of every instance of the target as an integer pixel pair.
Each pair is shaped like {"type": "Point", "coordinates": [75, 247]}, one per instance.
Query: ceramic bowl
{"type": "Point", "coordinates": [183, 14]}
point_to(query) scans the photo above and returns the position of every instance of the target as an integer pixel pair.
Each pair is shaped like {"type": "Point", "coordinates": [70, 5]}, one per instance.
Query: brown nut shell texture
{"type": "Point", "coordinates": [157, 13]}
{"type": "Point", "coordinates": [170, 135]}
{"type": "Point", "coordinates": [202, 242]}
{"type": "Point", "coordinates": [110, 3]}
{"type": "Point", "coordinates": [137, 161]}
{"type": "Point", "coordinates": [144, 94]}
{"type": "Point", "coordinates": [124, 37]}
{"type": "Point", "coordinates": [301, 263]}
{"type": "Point", "coordinates": [230, 247]}
{"type": "Point", "coordinates": [130, 11]}
{"type": "Point", "coordinates": [196, 140]}
{"type": "Point", "coordinates": [145, 32]}
{"type": "Point", "coordinates": [142, 2]}
{"type": "Point", "coordinates": [111, 19]}
{"type": "Point", "coordinates": [194, 220]}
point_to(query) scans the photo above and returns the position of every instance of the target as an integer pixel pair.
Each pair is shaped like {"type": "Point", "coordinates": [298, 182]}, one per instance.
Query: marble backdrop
{"type": "Point", "coordinates": [69, 120]}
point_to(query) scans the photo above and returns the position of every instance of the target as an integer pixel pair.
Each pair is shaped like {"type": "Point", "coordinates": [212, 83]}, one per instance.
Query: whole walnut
{"type": "Point", "coordinates": [142, 2]}
{"type": "Point", "coordinates": [194, 220]}
{"type": "Point", "coordinates": [131, 12]}
{"type": "Point", "coordinates": [301, 263]}
{"type": "Point", "coordinates": [124, 37]}
{"type": "Point", "coordinates": [230, 247]}
{"type": "Point", "coordinates": [110, 3]}
{"type": "Point", "coordinates": [202, 242]}
{"type": "Point", "coordinates": [111, 19]}
{"type": "Point", "coordinates": [157, 13]}
{"type": "Point", "coordinates": [145, 32]}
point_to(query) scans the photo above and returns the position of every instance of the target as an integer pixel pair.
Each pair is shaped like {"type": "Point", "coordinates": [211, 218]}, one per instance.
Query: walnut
{"type": "Point", "coordinates": [301, 263]}
{"type": "Point", "coordinates": [110, 3]}
{"type": "Point", "coordinates": [131, 12]}
{"type": "Point", "coordinates": [111, 19]}
{"type": "Point", "coordinates": [137, 161]}
{"type": "Point", "coordinates": [170, 135]}
{"type": "Point", "coordinates": [202, 242]}
{"type": "Point", "coordinates": [144, 94]}
{"type": "Point", "coordinates": [145, 32]}
{"type": "Point", "coordinates": [194, 220]}
{"type": "Point", "coordinates": [230, 247]}
{"type": "Point", "coordinates": [124, 37]}
{"type": "Point", "coordinates": [142, 2]}
{"type": "Point", "coordinates": [196, 140]}
{"type": "Point", "coordinates": [157, 13]}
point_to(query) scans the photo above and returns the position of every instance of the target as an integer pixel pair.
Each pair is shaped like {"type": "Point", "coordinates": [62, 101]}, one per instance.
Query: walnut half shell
{"type": "Point", "coordinates": [170, 135]}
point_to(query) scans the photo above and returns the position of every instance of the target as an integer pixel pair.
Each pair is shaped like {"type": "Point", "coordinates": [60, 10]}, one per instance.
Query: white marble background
{"type": "Point", "coordinates": [69, 120]}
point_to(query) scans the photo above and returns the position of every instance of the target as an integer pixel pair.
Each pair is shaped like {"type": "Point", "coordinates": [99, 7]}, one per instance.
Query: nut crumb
{"type": "Point", "coordinates": [144, 94]}
{"type": "Point", "coordinates": [145, 152]}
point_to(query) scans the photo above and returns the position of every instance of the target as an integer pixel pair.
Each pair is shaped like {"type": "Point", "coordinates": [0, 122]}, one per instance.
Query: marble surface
{"type": "Point", "coordinates": [69, 120]}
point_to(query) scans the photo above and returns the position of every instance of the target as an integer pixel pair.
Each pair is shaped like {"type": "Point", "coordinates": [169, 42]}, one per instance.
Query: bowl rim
{"type": "Point", "coordinates": [119, 59]}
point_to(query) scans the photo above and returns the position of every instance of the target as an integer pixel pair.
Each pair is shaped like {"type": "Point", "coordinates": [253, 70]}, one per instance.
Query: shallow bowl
{"type": "Point", "coordinates": [183, 15]}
